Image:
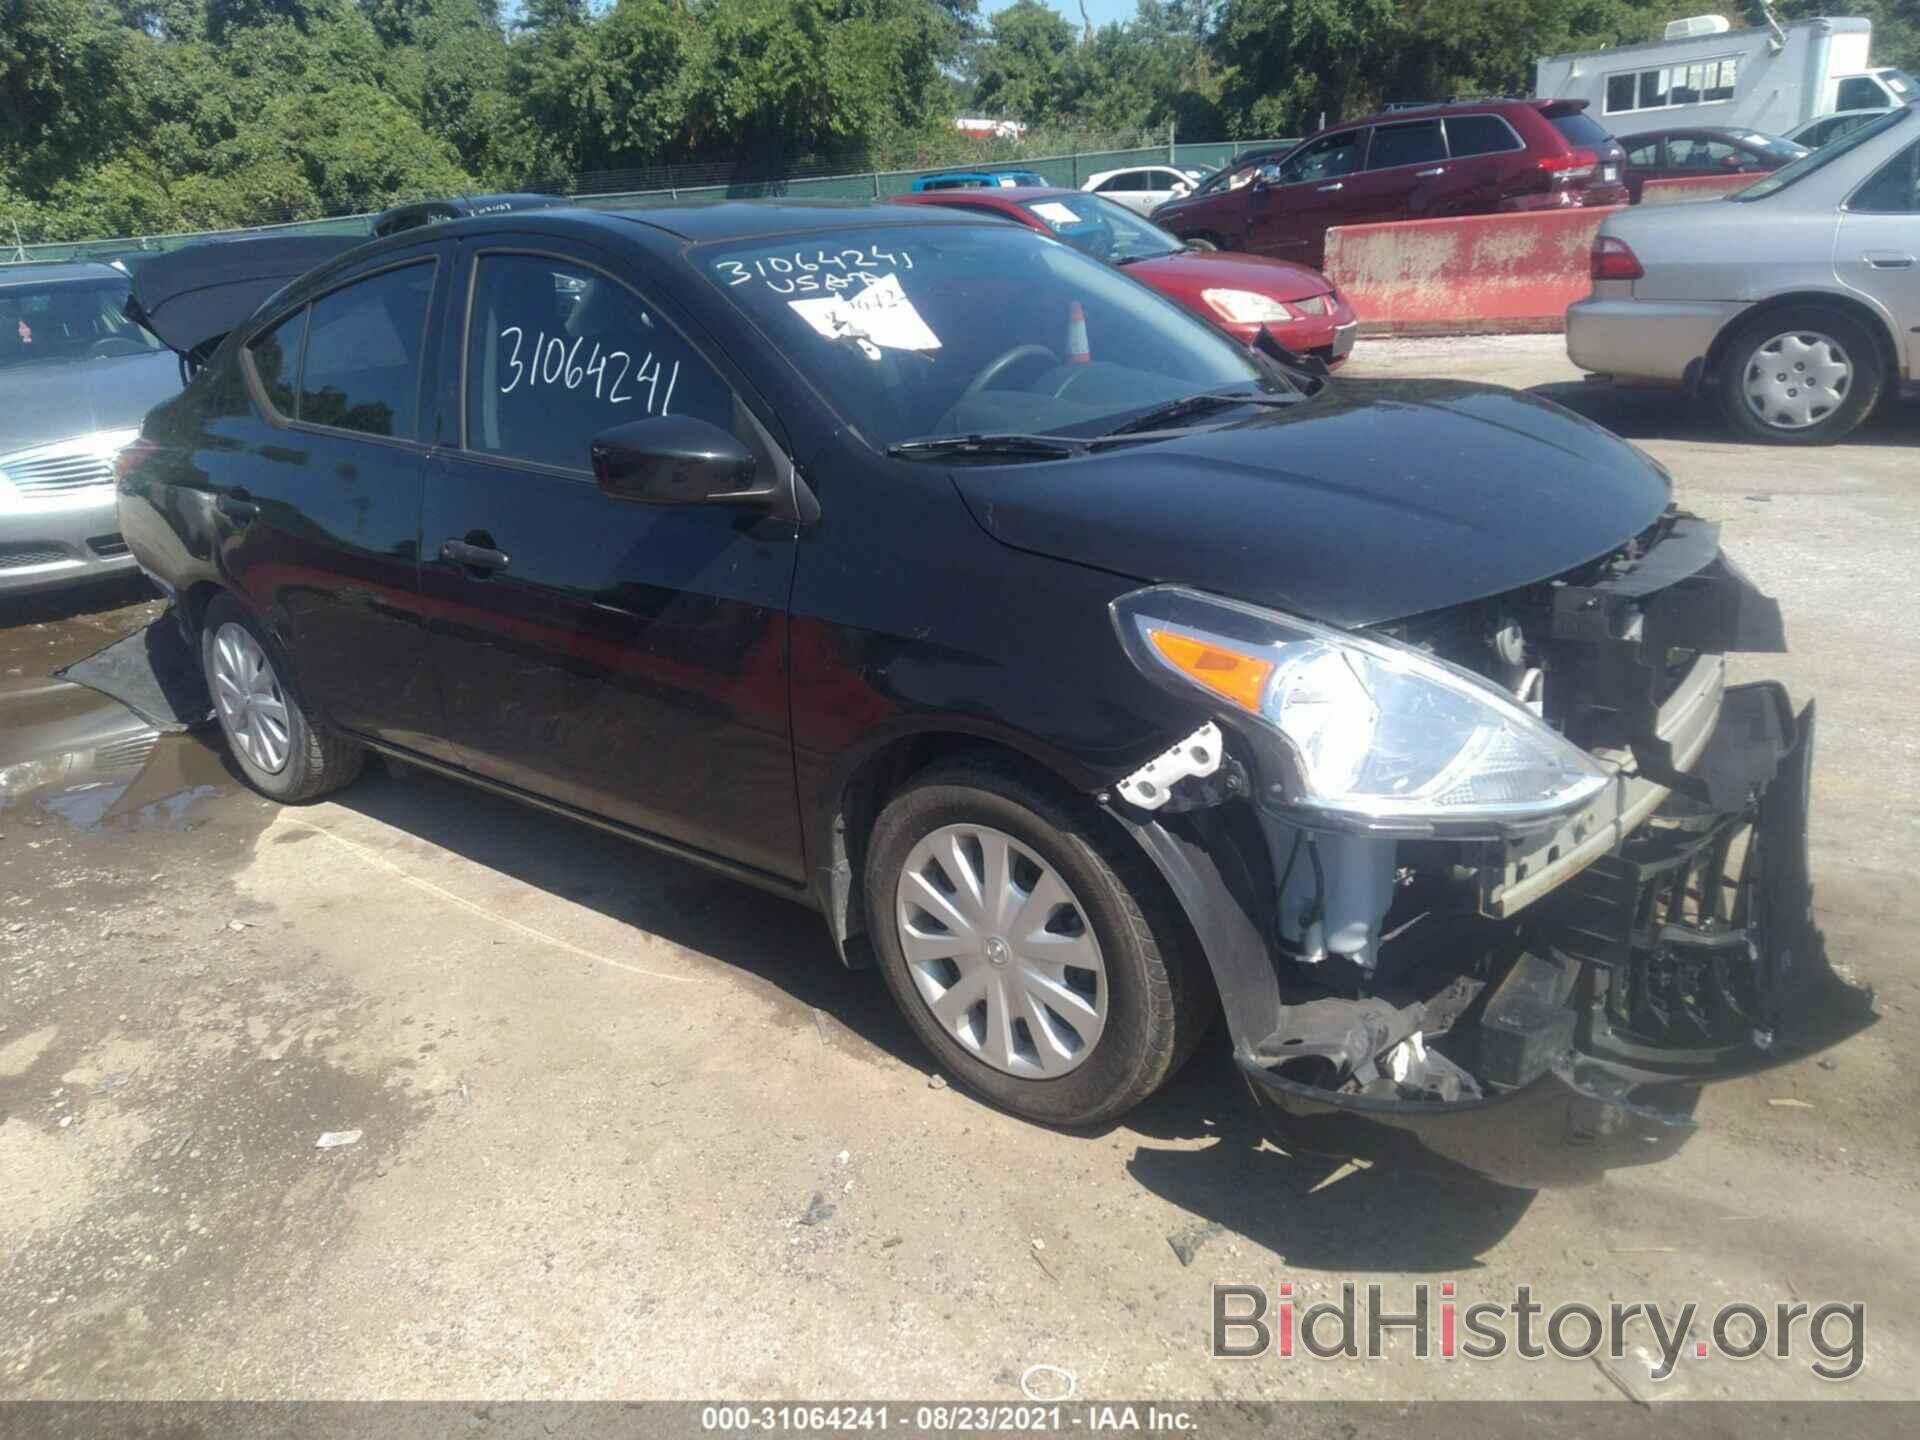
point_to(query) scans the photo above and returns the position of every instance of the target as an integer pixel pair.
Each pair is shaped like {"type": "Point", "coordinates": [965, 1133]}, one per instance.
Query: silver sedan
{"type": "Point", "coordinates": [1796, 301]}
{"type": "Point", "coordinates": [76, 378]}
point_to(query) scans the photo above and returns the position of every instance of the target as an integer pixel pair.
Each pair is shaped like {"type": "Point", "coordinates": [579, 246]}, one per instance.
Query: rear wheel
{"type": "Point", "coordinates": [280, 751]}
{"type": "Point", "coordinates": [1801, 376]}
{"type": "Point", "coordinates": [1036, 954]}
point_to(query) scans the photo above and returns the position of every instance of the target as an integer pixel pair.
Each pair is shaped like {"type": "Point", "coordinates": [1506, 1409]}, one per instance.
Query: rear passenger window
{"type": "Point", "coordinates": [276, 360]}
{"type": "Point", "coordinates": [558, 352]}
{"type": "Point", "coordinates": [1415, 143]}
{"type": "Point", "coordinates": [1644, 154]}
{"type": "Point", "coordinates": [1894, 188]}
{"type": "Point", "coordinates": [364, 341]}
{"type": "Point", "coordinates": [1479, 135]}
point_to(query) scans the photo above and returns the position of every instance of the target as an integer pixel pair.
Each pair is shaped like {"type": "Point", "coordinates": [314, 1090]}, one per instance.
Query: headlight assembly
{"type": "Point", "coordinates": [1365, 734]}
{"type": "Point", "coordinates": [1245, 307]}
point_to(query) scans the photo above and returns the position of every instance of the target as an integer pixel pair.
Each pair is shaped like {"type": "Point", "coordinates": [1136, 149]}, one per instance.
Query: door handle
{"type": "Point", "coordinates": [1888, 260]}
{"type": "Point", "coordinates": [474, 557]}
{"type": "Point", "coordinates": [237, 505]}
{"type": "Point", "coordinates": [1336, 185]}
{"type": "Point", "coordinates": [1429, 174]}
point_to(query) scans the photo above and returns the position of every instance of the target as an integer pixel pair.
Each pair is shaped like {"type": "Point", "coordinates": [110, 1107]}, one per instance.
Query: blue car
{"type": "Point", "coordinates": [977, 179]}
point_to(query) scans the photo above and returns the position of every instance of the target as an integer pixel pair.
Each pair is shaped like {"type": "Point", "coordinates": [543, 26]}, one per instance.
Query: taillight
{"type": "Point", "coordinates": [129, 456]}
{"type": "Point", "coordinates": [1574, 165]}
{"type": "Point", "coordinates": [1613, 259]}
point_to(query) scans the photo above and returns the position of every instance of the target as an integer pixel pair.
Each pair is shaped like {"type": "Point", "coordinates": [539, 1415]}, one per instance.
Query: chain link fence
{"type": "Point", "coordinates": [1065, 170]}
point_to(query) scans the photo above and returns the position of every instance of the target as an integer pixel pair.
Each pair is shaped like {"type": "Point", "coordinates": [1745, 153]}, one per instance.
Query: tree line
{"type": "Point", "coordinates": [123, 117]}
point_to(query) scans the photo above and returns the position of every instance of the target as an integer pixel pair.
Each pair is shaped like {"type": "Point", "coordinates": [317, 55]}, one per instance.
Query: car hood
{"type": "Point", "coordinates": [1371, 502]}
{"type": "Point", "coordinates": [44, 402]}
{"type": "Point", "coordinates": [1190, 271]}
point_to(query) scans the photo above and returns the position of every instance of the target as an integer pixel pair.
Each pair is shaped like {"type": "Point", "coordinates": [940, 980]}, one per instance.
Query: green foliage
{"type": "Point", "coordinates": [143, 116]}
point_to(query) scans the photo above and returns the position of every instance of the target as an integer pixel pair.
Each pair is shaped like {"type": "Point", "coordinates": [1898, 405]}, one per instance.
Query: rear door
{"type": "Point", "coordinates": [1646, 159]}
{"type": "Point", "coordinates": [626, 660]}
{"type": "Point", "coordinates": [1480, 147]}
{"type": "Point", "coordinates": [1133, 189]}
{"type": "Point", "coordinates": [319, 488]}
{"type": "Point", "coordinates": [1408, 176]}
{"type": "Point", "coordinates": [1877, 247]}
{"type": "Point", "coordinates": [1288, 218]}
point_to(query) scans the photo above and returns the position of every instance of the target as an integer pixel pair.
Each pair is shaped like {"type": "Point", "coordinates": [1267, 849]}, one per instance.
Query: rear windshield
{"type": "Point", "coordinates": [71, 320]}
{"type": "Point", "coordinates": [1580, 128]}
{"type": "Point", "coordinates": [1790, 174]}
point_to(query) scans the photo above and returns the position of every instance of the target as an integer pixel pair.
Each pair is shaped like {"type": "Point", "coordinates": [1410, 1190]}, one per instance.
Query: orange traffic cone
{"type": "Point", "coordinates": [1077, 351]}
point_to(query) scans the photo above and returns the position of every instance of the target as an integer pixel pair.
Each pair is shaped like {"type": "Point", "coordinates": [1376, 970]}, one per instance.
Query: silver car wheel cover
{"type": "Point", "coordinates": [1001, 951]}
{"type": "Point", "coordinates": [253, 707]}
{"type": "Point", "coordinates": [1797, 379]}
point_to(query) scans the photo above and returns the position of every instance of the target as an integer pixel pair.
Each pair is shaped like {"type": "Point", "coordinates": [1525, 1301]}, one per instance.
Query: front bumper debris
{"type": "Point", "coordinates": [1688, 954]}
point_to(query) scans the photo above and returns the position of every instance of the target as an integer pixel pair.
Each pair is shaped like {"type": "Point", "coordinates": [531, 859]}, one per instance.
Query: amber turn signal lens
{"type": "Point", "coordinates": [1240, 678]}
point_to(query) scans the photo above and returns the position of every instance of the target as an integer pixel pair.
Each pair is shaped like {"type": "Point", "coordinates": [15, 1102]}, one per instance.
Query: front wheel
{"type": "Point", "coordinates": [1033, 950]}
{"type": "Point", "coordinates": [278, 749]}
{"type": "Point", "coordinates": [1800, 376]}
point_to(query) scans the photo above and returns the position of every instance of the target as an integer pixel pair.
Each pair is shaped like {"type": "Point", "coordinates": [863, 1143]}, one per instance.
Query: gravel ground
{"type": "Point", "coordinates": [627, 1130]}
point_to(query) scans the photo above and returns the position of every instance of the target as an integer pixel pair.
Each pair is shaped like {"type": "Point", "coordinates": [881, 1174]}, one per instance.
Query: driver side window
{"type": "Point", "coordinates": [558, 351]}
{"type": "Point", "coordinates": [1327, 158]}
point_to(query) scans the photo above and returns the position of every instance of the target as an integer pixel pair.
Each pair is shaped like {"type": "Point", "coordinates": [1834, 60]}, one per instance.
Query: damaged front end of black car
{"type": "Point", "coordinates": [1497, 888]}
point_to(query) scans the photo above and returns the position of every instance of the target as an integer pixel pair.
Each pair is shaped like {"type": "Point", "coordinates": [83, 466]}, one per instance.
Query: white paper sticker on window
{"type": "Point", "coordinates": [1055, 214]}
{"type": "Point", "coordinates": [880, 315]}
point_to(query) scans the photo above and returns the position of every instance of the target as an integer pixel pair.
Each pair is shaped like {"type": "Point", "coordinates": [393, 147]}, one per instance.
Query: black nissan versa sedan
{"type": "Point", "coordinates": [1086, 671]}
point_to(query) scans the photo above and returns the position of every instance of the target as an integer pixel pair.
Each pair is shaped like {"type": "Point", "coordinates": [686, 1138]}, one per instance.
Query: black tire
{"type": "Point", "coordinates": [1159, 999]}
{"type": "Point", "coordinates": [1862, 349]}
{"type": "Point", "coordinates": [317, 761]}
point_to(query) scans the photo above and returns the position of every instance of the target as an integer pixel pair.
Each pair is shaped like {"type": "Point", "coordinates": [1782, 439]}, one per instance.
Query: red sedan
{"type": "Point", "coordinates": [1239, 293]}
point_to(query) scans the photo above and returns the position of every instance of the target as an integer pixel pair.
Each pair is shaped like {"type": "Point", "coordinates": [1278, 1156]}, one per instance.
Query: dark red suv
{"type": "Point", "coordinates": [1462, 158]}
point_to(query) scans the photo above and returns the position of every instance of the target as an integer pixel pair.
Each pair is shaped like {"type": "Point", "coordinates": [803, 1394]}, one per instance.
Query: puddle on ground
{"type": "Point", "coordinates": [71, 755]}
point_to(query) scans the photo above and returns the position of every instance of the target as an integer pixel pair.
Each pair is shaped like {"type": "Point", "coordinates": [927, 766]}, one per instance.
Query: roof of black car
{"type": "Point", "coordinates": [40, 272]}
{"type": "Point", "coordinates": [702, 221]}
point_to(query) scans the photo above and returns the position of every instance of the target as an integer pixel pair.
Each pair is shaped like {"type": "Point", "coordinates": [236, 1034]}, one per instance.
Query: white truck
{"type": "Point", "coordinates": [1770, 77]}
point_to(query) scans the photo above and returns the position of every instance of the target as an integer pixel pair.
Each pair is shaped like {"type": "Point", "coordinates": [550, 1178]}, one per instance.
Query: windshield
{"type": "Point", "coordinates": [1579, 128]}
{"type": "Point", "coordinates": [1102, 229]}
{"type": "Point", "coordinates": [1815, 159]}
{"type": "Point", "coordinates": [934, 330]}
{"type": "Point", "coordinates": [67, 320]}
{"type": "Point", "coordinates": [1774, 145]}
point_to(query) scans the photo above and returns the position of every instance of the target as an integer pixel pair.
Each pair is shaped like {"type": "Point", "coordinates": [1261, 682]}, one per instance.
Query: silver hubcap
{"type": "Point", "coordinates": [1001, 952]}
{"type": "Point", "coordinates": [253, 708]}
{"type": "Point", "coordinates": [1798, 379]}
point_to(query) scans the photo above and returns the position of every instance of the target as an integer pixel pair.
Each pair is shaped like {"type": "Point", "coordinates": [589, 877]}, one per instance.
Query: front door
{"type": "Point", "coordinates": [626, 660]}
{"type": "Point", "coordinates": [1877, 249]}
{"type": "Point", "coordinates": [1288, 216]}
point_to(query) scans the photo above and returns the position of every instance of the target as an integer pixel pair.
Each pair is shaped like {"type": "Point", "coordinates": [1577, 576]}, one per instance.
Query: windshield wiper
{"type": "Point", "coordinates": [1136, 259]}
{"type": "Point", "coordinates": [1196, 405]}
{"type": "Point", "coordinates": [1049, 447]}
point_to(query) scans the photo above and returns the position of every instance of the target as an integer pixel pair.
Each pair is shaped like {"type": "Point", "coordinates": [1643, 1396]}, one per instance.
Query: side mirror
{"type": "Point", "coordinates": [1267, 175]}
{"type": "Point", "coordinates": [676, 460]}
